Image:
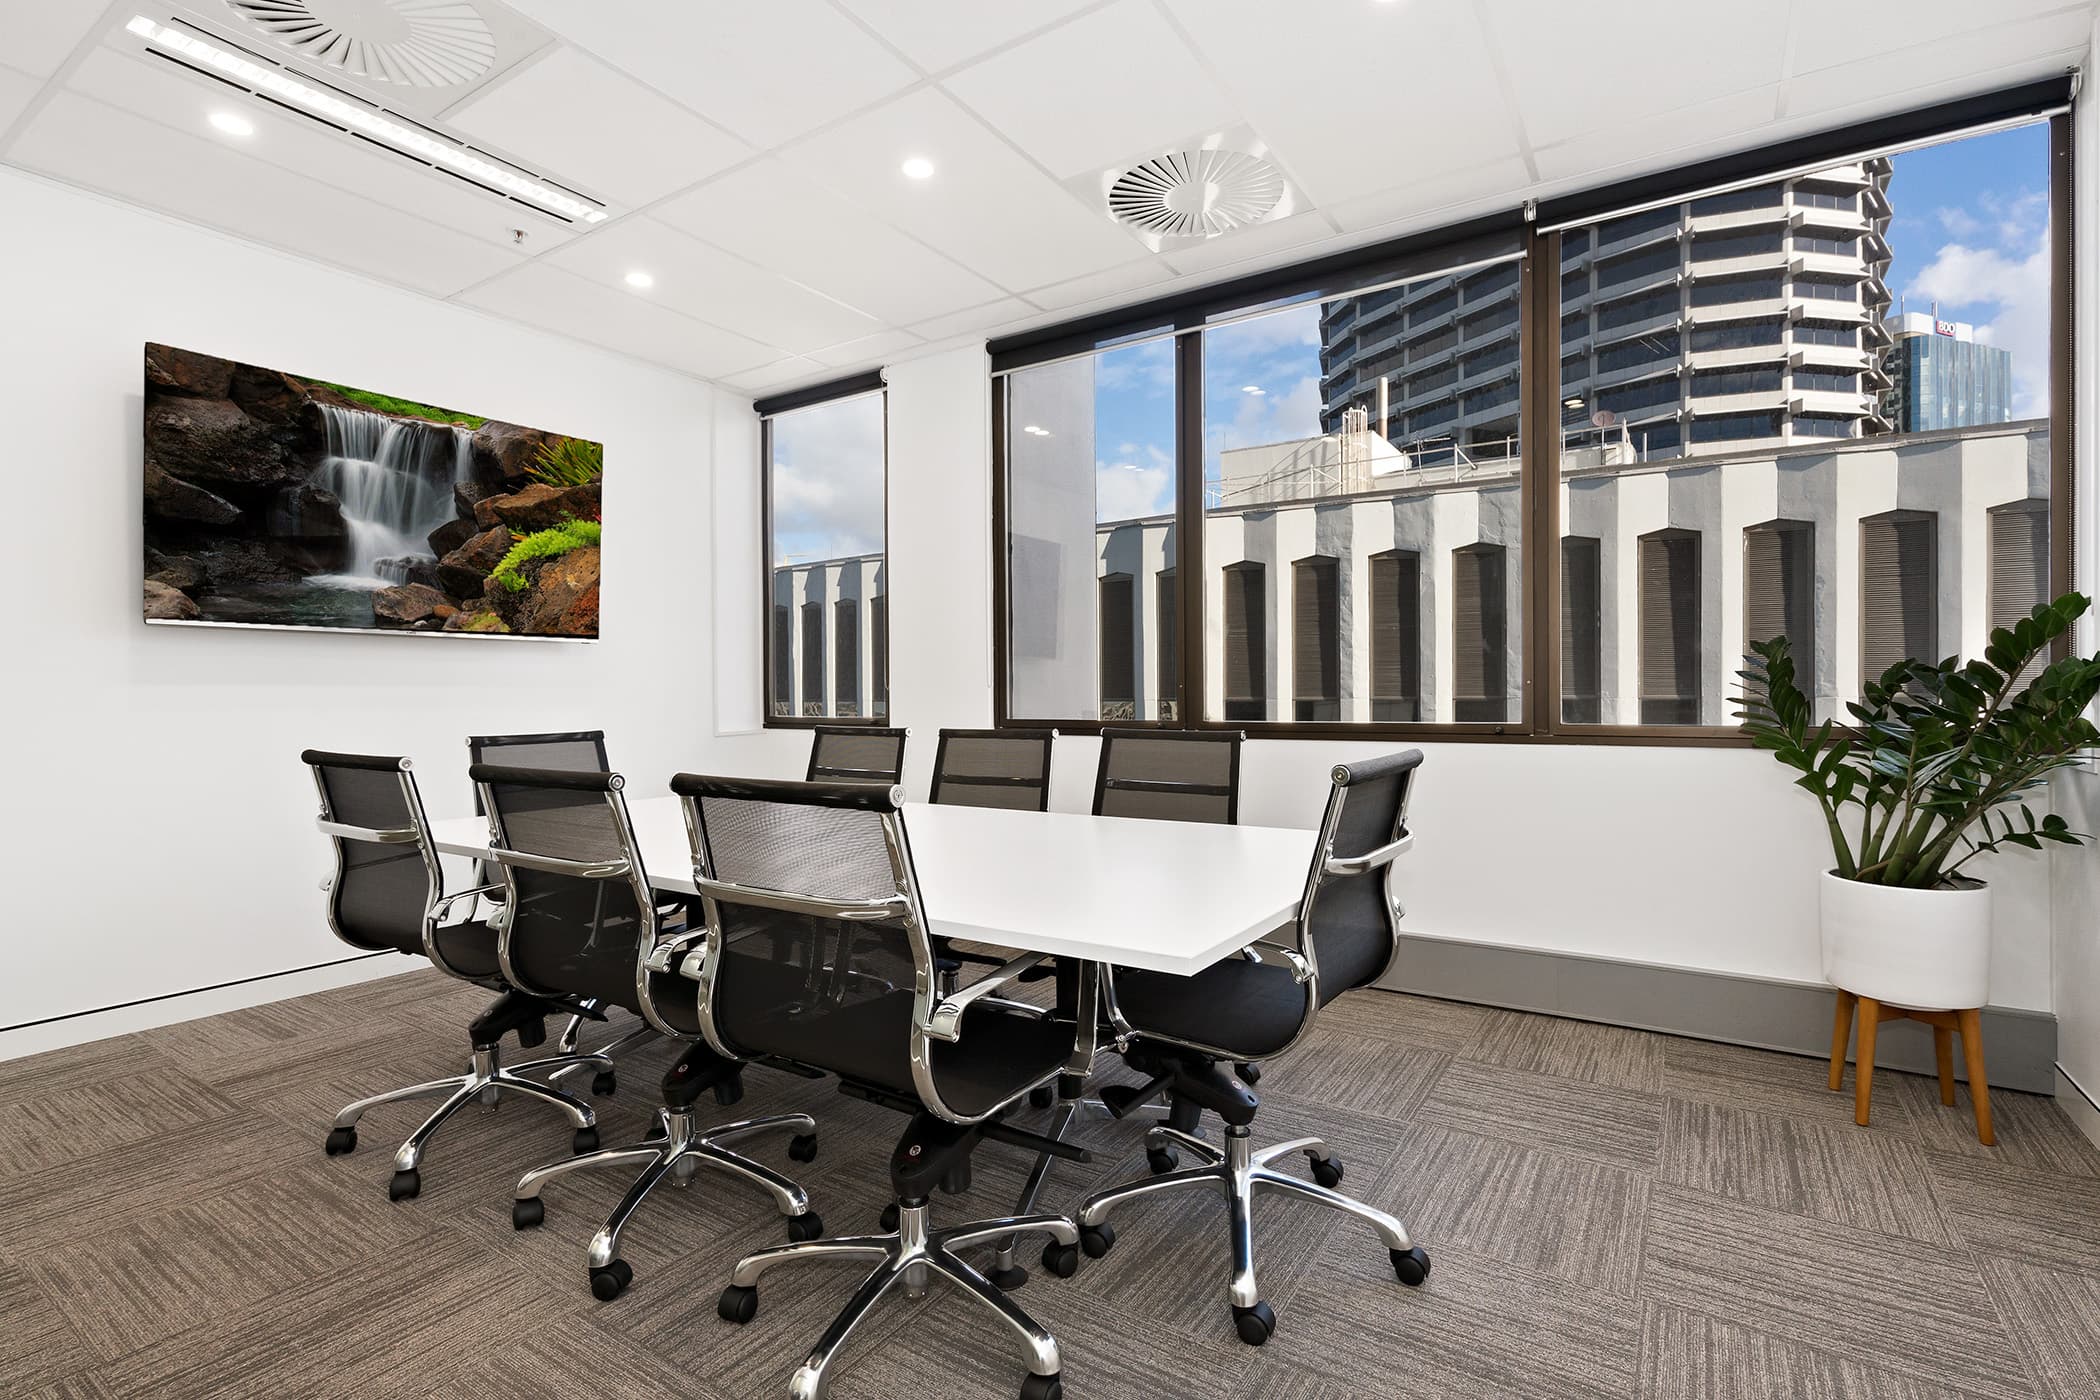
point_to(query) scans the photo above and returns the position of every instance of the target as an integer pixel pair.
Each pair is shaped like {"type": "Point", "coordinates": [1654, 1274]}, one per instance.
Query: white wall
{"type": "Point", "coordinates": [160, 830]}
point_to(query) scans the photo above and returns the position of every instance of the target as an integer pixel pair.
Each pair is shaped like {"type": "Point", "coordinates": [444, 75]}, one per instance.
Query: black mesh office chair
{"type": "Point", "coordinates": [994, 768]}
{"type": "Point", "coordinates": [856, 754]}
{"type": "Point", "coordinates": [583, 923]}
{"type": "Point", "coordinates": [1256, 1007]}
{"type": "Point", "coordinates": [388, 893]}
{"type": "Point", "coordinates": [1169, 775]}
{"type": "Point", "coordinates": [818, 954]}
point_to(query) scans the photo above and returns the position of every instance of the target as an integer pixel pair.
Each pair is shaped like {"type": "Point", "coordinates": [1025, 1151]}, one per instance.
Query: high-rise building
{"type": "Point", "coordinates": [1746, 319]}
{"type": "Point", "coordinates": [1941, 376]}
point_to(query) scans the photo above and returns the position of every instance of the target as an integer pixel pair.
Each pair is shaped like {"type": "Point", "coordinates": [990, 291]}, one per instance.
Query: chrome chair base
{"type": "Point", "coordinates": [910, 1257]}
{"type": "Point", "coordinates": [486, 1081]}
{"type": "Point", "coordinates": [676, 1157]}
{"type": "Point", "coordinates": [1240, 1173]}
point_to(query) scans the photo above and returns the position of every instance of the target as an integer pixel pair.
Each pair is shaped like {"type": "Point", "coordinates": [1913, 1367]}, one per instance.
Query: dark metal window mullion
{"type": "Point", "coordinates": [1191, 580]}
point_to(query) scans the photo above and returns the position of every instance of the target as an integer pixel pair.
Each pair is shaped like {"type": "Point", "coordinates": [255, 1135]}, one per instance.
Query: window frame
{"type": "Point", "coordinates": [875, 676]}
{"type": "Point", "coordinates": [1539, 717]}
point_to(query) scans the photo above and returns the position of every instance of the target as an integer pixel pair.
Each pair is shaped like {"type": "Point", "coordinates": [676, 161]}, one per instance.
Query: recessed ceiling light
{"type": "Point", "coordinates": [918, 168]}
{"type": "Point", "coordinates": [233, 123]}
{"type": "Point", "coordinates": [402, 137]}
{"type": "Point", "coordinates": [640, 280]}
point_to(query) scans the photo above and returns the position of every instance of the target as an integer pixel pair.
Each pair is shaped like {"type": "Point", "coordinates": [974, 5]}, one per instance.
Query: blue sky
{"type": "Point", "coordinates": [1969, 230]}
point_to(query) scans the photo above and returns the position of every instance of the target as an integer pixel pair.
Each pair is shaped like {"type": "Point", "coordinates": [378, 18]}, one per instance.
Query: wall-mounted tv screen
{"type": "Point", "coordinates": [277, 500]}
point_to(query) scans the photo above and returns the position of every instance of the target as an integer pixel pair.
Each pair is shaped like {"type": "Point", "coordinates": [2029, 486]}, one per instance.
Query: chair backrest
{"type": "Point", "coordinates": [581, 921]}
{"type": "Point", "coordinates": [857, 754]}
{"type": "Point", "coordinates": [1348, 924]}
{"type": "Point", "coordinates": [994, 768]}
{"type": "Point", "coordinates": [387, 879]}
{"type": "Point", "coordinates": [580, 752]}
{"type": "Point", "coordinates": [1169, 775]}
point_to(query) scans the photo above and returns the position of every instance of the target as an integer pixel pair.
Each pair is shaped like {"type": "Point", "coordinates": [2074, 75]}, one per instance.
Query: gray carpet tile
{"type": "Point", "coordinates": [1613, 1055]}
{"type": "Point", "coordinates": [1831, 1173]}
{"type": "Point", "coordinates": [2055, 1317]}
{"type": "Point", "coordinates": [1613, 1214]}
{"type": "Point", "coordinates": [1617, 1127]}
{"type": "Point", "coordinates": [1896, 1305]}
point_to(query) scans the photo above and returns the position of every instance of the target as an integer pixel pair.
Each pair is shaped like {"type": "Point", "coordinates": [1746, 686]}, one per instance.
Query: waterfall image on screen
{"type": "Point", "coordinates": [280, 501]}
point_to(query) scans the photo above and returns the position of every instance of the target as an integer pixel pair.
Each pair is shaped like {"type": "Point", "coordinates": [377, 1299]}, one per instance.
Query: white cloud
{"type": "Point", "coordinates": [827, 480]}
{"type": "Point", "coordinates": [1125, 490]}
{"type": "Point", "coordinates": [2006, 292]}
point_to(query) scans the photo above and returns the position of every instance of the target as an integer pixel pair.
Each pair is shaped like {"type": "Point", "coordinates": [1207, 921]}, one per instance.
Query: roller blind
{"type": "Point", "coordinates": [1899, 590]}
{"type": "Point", "coordinates": [1669, 585]}
{"type": "Point", "coordinates": [1581, 631]}
{"type": "Point", "coordinates": [845, 671]}
{"type": "Point", "coordinates": [1118, 668]}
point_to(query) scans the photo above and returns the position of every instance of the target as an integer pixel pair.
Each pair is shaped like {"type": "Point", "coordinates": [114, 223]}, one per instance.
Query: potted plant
{"type": "Point", "coordinates": [1937, 768]}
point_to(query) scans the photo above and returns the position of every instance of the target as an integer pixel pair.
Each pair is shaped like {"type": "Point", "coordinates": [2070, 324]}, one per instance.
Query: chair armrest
{"type": "Point", "coordinates": [946, 1021]}
{"type": "Point", "coordinates": [671, 955]}
{"type": "Point", "coordinates": [443, 907]}
{"type": "Point", "coordinates": [1276, 955]}
{"type": "Point", "coordinates": [1371, 860]}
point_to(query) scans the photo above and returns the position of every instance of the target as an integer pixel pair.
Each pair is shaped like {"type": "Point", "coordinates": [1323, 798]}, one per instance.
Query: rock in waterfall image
{"type": "Point", "coordinates": [277, 500]}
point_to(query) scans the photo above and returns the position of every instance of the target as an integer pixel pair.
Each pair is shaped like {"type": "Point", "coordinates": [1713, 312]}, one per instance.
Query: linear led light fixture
{"type": "Point", "coordinates": [370, 122]}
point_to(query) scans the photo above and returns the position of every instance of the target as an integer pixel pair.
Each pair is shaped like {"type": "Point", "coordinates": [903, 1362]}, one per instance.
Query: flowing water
{"type": "Point", "coordinates": [394, 477]}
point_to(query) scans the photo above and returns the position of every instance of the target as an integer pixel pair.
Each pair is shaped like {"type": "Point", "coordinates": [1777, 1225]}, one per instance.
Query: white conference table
{"type": "Point", "coordinates": [1163, 896]}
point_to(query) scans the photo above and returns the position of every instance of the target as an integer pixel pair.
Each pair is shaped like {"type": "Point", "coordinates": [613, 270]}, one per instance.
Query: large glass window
{"type": "Point", "coordinates": [825, 562]}
{"type": "Point", "coordinates": [1090, 537]}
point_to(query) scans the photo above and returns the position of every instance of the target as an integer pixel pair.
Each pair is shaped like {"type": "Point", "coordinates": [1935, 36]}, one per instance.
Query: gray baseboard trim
{"type": "Point", "coordinates": [1767, 1013]}
{"type": "Point", "coordinates": [2079, 1106]}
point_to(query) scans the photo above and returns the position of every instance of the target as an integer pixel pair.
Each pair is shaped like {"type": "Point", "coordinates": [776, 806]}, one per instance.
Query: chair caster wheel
{"type": "Point", "coordinates": [611, 1281]}
{"type": "Point", "coordinates": [586, 1140]}
{"type": "Point", "coordinates": [1043, 1388]}
{"type": "Point", "coordinates": [341, 1141]}
{"type": "Point", "coordinates": [738, 1305]}
{"type": "Point", "coordinates": [1041, 1096]}
{"type": "Point", "coordinates": [1162, 1160]}
{"type": "Point", "coordinates": [604, 1084]}
{"type": "Point", "coordinates": [1008, 1279]}
{"type": "Point", "coordinates": [803, 1228]}
{"type": "Point", "coordinates": [1061, 1259]}
{"type": "Point", "coordinates": [803, 1147]}
{"type": "Point", "coordinates": [1250, 1075]}
{"type": "Point", "coordinates": [527, 1214]}
{"type": "Point", "coordinates": [1410, 1266]}
{"type": "Point", "coordinates": [1255, 1324]}
{"type": "Point", "coordinates": [1097, 1240]}
{"type": "Point", "coordinates": [1327, 1170]}
{"type": "Point", "coordinates": [889, 1219]}
{"type": "Point", "coordinates": [405, 1186]}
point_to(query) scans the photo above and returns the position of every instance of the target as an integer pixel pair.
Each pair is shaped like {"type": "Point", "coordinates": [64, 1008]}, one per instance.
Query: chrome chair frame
{"type": "Point", "coordinates": [1238, 1171]}
{"type": "Point", "coordinates": [685, 1147]}
{"type": "Point", "coordinates": [912, 1253]}
{"type": "Point", "coordinates": [487, 1078]}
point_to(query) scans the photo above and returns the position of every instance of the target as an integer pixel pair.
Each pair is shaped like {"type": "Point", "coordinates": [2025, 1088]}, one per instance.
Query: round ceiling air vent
{"type": "Point", "coordinates": [409, 43]}
{"type": "Point", "coordinates": [1196, 194]}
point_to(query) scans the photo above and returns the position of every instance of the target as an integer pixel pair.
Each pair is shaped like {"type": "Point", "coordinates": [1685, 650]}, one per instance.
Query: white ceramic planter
{"type": "Point", "coordinates": [1925, 949]}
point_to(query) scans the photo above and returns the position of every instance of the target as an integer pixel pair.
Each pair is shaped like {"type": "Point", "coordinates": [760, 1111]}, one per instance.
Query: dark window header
{"type": "Point", "coordinates": [865, 383]}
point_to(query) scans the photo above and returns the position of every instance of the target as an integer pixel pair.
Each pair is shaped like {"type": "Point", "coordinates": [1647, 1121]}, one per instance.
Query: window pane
{"type": "Point", "coordinates": [825, 541]}
{"type": "Point", "coordinates": [1840, 380]}
{"type": "Point", "coordinates": [1362, 521]}
{"type": "Point", "coordinates": [1090, 537]}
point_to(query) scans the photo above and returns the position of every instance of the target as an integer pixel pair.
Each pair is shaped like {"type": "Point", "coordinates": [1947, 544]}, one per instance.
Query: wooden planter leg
{"type": "Point", "coordinates": [1863, 1071]}
{"type": "Point", "coordinates": [1841, 1037]}
{"type": "Point", "coordinates": [1943, 1051]}
{"type": "Point", "coordinates": [1979, 1087]}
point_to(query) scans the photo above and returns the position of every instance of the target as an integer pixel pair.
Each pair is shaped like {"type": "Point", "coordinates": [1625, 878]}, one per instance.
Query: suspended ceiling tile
{"type": "Point", "coordinates": [778, 218]}
{"type": "Point", "coordinates": [712, 286]}
{"type": "Point", "coordinates": [768, 71]}
{"type": "Point", "coordinates": [867, 352]}
{"type": "Point", "coordinates": [1944, 69]}
{"type": "Point", "coordinates": [1908, 23]}
{"type": "Point", "coordinates": [978, 320]}
{"type": "Point", "coordinates": [1724, 123]}
{"type": "Point", "coordinates": [1103, 90]}
{"type": "Point", "coordinates": [1498, 184]}
{"type": "Point", "coordinates": [938, 34]}
{"type": "Point", "coordinates": [791, 371]}
{"type": "Point", "coordinates": [93, 144]}
{"type": "Point", "coordinates": [17, 91]}
{"type": "Point", "coordinates": [42, 34]}
{"type": "Point", "coordinates": [545, 296]}
{"type": "Point", "coordinates": [1260, 241]}
{"type": "Point", "coordinates": [986, 206]}
{"type": "Point", "coordinates": [585, 125]}
{"type": "Point", "coordinates": [1148, 271]}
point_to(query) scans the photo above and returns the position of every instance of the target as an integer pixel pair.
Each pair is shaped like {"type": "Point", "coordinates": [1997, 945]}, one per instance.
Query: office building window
{"type": "Point", "coordinates": [1669, 608]}
{"type": "Point", "coordinates": [1898, 590]}
{"type": "Point", "coordinates": [2019, 581]}
{"type": "Point", "coordinates": [1396, 636]}
{"type": "Point", "coordinates": [879, 642]}
{"type": "Point", "coordinates": [1089, 457]}
{"type": "Point", "coordinates": [1166, 626]}
{"type": "Point", "coordinates": [825, 537]}
{"type": "Point", "coordinates": [1118, 637]}
{"type": "Point", "coordinates": [1480, 634]}
{"type": "Point", "coordinates": [1581, 630]}
{"type": "Point", "coordinates": [1246, 636]}
{"type": "Point", "coordinates": [1779, 592]}
{"type": "Point", "coordinates": [1316, 657]}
